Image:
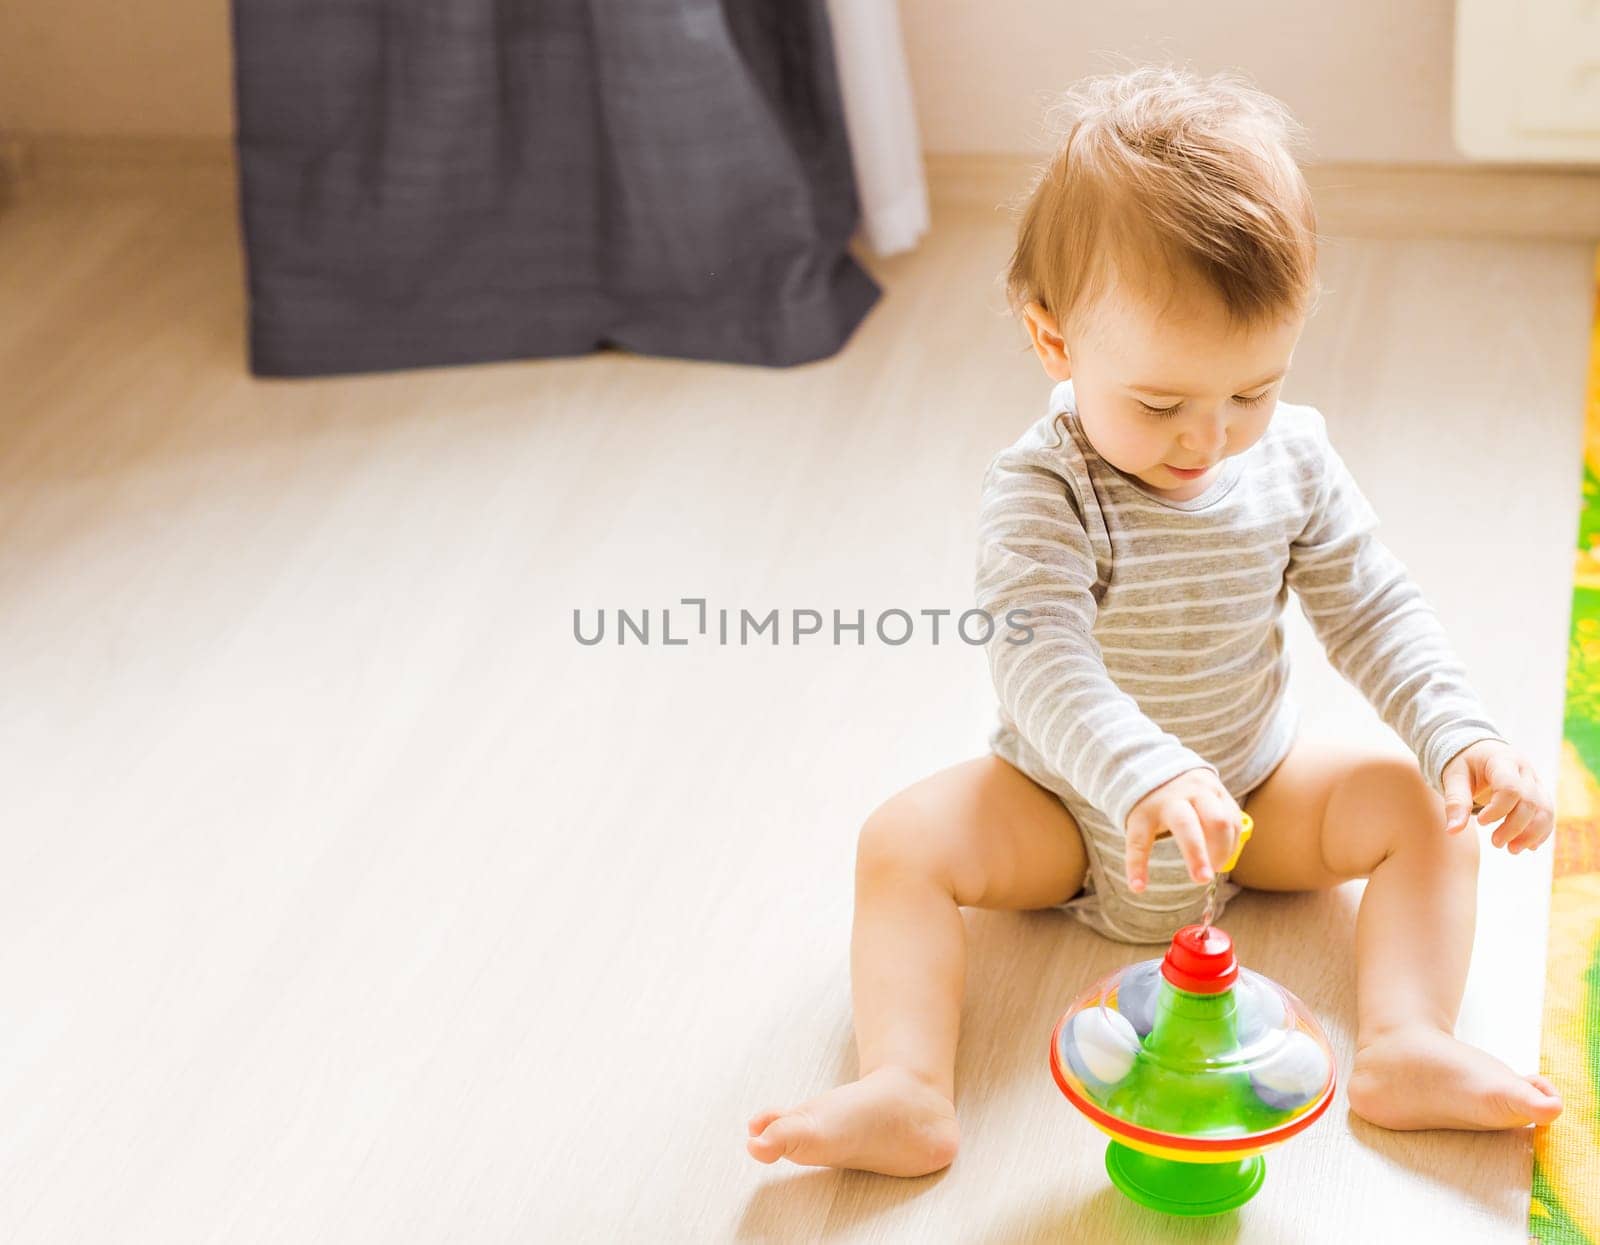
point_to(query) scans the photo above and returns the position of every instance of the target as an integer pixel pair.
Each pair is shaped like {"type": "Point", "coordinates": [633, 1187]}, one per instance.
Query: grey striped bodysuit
{"type": "Point", "coordinates": [1158, 639]}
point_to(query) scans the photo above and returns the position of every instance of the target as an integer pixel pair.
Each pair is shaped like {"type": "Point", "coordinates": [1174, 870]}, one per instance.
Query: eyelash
{"type": "Point", "coordinates": [1165, 411]}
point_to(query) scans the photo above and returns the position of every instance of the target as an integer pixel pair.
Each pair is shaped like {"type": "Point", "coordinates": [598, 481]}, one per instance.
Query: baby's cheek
{"type": "Point", "coordinates": [1249, 434]}
{"type": "Point", "coordinates": [1126, 447]}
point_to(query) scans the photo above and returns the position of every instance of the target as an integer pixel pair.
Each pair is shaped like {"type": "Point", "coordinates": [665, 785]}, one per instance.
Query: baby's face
{"type": "Point", "coordinates": [1166, 390]}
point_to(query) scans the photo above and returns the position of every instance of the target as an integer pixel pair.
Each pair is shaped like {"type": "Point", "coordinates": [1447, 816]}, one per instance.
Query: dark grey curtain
{"type": "Point", "coordinates": [429, 182]}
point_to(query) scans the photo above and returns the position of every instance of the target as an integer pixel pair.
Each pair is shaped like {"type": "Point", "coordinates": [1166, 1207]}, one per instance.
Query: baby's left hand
{"type": "Point", "coordinates": [1505, 781]}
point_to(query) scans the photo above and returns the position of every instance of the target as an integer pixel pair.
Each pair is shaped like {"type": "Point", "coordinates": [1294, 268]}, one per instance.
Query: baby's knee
{"type": "Point", "coordinates": [1421, 828]}
{"type": "Point", "coordinates": [900, 841]}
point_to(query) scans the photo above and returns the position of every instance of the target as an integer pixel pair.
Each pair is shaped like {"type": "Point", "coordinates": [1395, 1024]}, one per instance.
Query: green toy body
{"type": "Point", "coordinates": [1188, 1189]}
{"type": "Point", "coordinates": [1194, 1084]}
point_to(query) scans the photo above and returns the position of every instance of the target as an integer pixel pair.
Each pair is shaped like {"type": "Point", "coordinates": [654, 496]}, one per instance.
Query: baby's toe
{"type": "Point", "coordinates": [785, 1137]}
{"type": "Point", "coordinates": [1539, 1102]}
{"type": "Point", "coordinates": [1515, 1102]}
{"type": "Point", "coordinates": [759, 1121]}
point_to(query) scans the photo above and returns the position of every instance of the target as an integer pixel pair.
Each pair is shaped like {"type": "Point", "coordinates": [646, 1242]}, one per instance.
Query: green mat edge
{"type": "Point", "coordinates": [1548, 1221]}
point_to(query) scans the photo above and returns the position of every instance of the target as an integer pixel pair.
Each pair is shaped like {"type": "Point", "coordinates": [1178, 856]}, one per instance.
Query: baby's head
{"type": "Point", "coordinates": [1165, 264]}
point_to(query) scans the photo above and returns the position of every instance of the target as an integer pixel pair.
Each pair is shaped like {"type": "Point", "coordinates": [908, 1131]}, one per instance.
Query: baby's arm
{"type": "Point", "coordinates": [1378, 631]}
{"type": "Point", "coordinates": [1034, 555]}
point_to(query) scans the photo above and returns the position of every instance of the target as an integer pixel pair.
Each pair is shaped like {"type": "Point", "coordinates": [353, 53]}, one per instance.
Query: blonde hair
{"type": "Point", "coordinates": [1177, 172]}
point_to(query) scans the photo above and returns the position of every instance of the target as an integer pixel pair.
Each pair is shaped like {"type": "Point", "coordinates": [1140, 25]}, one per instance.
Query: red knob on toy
{"type": "Point", "coordinates": [1200, 960]}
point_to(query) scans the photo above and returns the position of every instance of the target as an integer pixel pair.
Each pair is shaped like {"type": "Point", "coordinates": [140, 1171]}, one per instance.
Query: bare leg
{"type": "Point", "coordinates": [1327, 815]}
{"type": "Point", "coordinates": [979, 834]}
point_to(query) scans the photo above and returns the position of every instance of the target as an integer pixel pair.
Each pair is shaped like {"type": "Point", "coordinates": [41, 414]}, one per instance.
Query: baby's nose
{"type": "Point", "coordinates": [1208, 438]}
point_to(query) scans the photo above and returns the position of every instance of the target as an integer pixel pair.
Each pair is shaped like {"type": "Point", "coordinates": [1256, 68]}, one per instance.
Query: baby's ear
{"type": "Point", "coordinates": [1048, 343]}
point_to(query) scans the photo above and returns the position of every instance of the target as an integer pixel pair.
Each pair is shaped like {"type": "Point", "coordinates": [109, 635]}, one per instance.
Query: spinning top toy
{"type": "Point", "coordinates": [1194, 1067]}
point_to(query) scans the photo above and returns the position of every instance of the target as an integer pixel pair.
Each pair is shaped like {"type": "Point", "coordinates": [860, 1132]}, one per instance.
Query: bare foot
{"type": "Point", "coordinates": [890, 1121]}
{"type": "Point", "coordinates": [1424, 1078]}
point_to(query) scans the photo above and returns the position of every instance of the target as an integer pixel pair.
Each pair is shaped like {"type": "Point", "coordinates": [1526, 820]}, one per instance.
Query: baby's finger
{"type": "Point", "coordinates": [1537, 832]}
{"type": "Point", "coordinates": [1500, 803]}
{"type": "Point", "coordinates": [1141, 834]}
{"type": "Point", "coordinates": [1533, 789]}
{"type": "Point", "coordinates": [1515, 823]}
{"type": "Point", "coordinates": [1191, 840]}
{"type": "Point", "coordinates": [1457, 796]}
{"type": "Point", "coordinates": [1221, 827]}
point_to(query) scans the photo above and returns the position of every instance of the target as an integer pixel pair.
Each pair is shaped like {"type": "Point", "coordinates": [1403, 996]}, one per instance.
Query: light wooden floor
{"type": "Point", "coordinates": [344, 897]}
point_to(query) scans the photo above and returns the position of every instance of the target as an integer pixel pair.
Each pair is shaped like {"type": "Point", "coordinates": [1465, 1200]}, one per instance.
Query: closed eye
{"type": "Point", "coordinates": [1163, 411]}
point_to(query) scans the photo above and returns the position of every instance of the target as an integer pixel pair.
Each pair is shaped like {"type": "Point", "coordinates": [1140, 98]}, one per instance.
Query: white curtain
{"type": "Point", "coordinates": [885, 148]}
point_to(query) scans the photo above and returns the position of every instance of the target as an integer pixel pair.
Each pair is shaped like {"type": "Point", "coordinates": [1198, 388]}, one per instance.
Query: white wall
{"type": "Point", "coordinates": [1370, 79]}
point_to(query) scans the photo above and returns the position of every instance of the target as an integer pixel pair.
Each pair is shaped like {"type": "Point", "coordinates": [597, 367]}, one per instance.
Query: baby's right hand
{"type": "Point", "coordinates": [1200, 814]}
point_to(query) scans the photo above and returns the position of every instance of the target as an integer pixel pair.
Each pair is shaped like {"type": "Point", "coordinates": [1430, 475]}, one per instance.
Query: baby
{"type": "Point", "coordinates": [1151, 525]}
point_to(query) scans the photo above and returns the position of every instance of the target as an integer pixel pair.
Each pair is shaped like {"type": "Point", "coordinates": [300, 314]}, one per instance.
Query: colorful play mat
{"type": "Point", "coordinates": [1566, 1173]}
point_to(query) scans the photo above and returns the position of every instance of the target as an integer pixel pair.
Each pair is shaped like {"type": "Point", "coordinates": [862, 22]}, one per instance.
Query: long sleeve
{"type": "Point", "coordinates": [1034, 555]}
{"type": "Point", "coordinates": [1379, 632]}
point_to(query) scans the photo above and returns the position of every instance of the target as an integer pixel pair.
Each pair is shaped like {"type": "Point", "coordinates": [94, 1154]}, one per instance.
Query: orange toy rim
{"type": "Point", "coordinates": [1250, 1143]}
